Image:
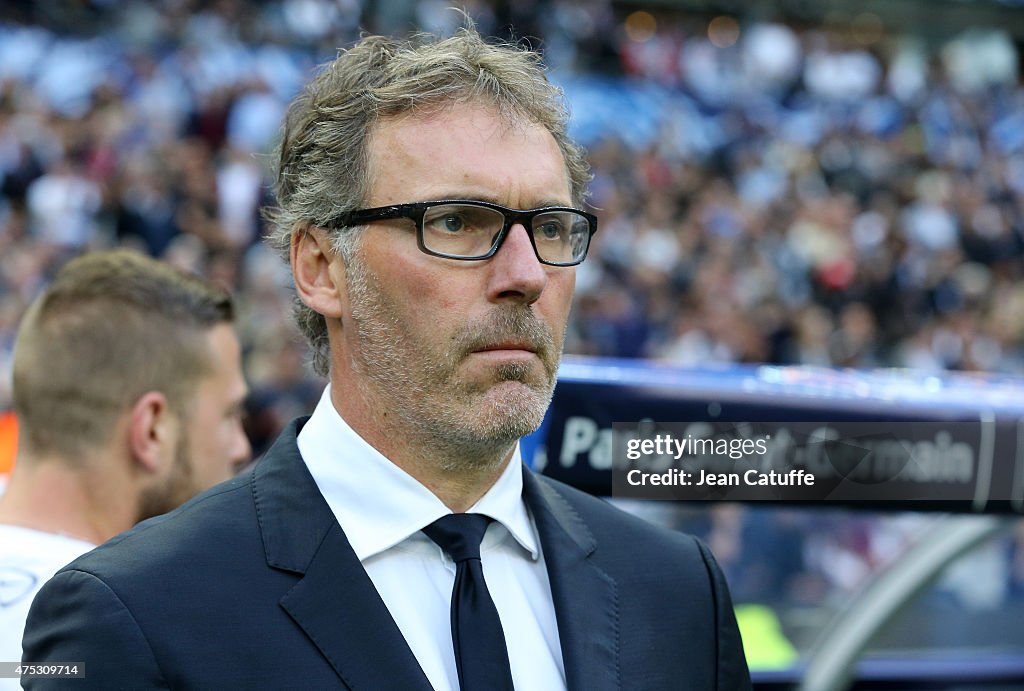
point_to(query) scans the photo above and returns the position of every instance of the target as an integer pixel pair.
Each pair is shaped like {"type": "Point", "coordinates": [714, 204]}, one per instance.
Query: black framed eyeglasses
{"type": "Point", "coordinates": [473, 230]}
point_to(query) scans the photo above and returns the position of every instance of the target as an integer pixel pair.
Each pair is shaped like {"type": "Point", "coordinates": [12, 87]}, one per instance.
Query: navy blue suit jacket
{"type": "Point", "coordinates": [253, 585]}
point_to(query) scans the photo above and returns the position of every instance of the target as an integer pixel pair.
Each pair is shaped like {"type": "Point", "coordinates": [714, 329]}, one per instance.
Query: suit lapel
{"type": "Point", "coordinates": [585, 597]}
{"type": "Point", "coordinates": [360, 639]}
{"type": "Point", "coordinates": [335, 602]}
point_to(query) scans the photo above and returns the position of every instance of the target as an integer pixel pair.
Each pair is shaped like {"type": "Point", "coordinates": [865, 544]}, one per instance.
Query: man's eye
{"type": "Point", "coordinates": [550, 230]}
{"type": "Point", "coordinates": [453, 223]}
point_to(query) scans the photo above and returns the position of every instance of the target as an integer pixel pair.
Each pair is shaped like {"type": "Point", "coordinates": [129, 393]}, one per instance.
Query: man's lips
{"type": "Point", "coordinates": [509, 348]}
{"type": "Point", "coordinates": [508, 345]}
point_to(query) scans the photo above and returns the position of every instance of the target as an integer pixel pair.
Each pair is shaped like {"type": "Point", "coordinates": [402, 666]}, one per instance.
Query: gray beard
{"type": "Point", "coordinates": [463, 429]}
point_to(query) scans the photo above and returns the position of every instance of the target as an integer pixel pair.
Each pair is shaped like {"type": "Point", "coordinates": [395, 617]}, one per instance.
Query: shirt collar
{"type": "Point", "coordinates": [378, 504]}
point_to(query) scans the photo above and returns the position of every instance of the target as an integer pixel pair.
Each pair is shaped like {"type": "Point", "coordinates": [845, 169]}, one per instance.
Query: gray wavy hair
{"type": "Point", "coordinates": [321, 159]}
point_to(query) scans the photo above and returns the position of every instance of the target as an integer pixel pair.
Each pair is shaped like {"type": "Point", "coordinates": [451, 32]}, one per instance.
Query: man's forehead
{"type": "Point", "coordinates": [462, 140]}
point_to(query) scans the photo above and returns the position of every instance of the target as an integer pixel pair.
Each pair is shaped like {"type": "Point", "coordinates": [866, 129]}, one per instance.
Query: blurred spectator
{"type": "Point", "coordinates": [62, 206]}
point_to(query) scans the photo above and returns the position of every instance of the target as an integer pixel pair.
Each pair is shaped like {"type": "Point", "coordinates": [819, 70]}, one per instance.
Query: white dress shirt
{"type": "Point", "coordinates": [382, 509]}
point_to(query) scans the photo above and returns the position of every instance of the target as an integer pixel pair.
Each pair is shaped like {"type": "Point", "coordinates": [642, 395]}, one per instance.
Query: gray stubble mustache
{"type": "Point", "coordinates": [512, 323]}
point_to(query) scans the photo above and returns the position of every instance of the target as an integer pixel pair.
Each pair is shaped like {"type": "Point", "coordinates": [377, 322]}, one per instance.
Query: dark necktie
{"type": "Point", "coordinates": [480, 653]}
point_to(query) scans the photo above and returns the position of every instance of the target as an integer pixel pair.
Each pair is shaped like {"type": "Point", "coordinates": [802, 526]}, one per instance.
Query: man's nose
{"type": "Point", "coordinates": [516, 275]}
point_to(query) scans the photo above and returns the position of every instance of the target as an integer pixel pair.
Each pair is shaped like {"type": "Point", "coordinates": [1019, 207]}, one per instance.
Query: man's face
{"type": "Point", "coordinates": [211, 444]}
{"type": "Point", "coordinates": [462, 352]}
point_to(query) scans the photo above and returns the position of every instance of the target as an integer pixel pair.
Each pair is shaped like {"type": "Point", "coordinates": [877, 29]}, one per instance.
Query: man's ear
{"type": "Point", "coordinates": [151, 432]}
{"type": "Point", "coordinates": [320, 288]}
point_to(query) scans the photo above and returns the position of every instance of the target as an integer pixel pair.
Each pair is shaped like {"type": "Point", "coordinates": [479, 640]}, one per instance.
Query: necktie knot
{"type": "Point", "coordinates": [459, 534]}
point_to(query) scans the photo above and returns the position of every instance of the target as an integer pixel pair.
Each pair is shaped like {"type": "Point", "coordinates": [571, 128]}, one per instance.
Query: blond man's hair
{"type": "Point", "coordinates": [110, 327]}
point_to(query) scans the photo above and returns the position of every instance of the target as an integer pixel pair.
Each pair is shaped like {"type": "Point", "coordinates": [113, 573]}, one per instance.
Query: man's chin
{"type": "Point", "coordinates": [518, 401]}
{"type": "Point", "coordinates": [509, 399]}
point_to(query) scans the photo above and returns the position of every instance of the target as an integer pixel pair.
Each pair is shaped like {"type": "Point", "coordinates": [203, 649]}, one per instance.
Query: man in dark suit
{"type": "Point", "coordinates": [429, 201]}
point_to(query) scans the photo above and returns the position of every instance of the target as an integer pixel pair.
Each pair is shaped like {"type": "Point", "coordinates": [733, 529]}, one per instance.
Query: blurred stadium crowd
{"type": "Point", "coordinates": [834, 195]}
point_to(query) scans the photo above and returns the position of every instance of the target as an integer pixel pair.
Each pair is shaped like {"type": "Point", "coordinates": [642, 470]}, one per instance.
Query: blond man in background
{"type": "Point", "coordinates": [128, 390]}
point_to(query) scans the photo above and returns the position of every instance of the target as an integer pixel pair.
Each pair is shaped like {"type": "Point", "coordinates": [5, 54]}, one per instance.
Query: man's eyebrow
{"type": "Point", "coordinates": [490, 199]}
{"type": "Point", "coordinates": [546, 202]}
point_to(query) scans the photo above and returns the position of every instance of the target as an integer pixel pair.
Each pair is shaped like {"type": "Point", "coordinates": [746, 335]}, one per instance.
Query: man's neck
{"type": "Point", "coordinates": [49, 496]}
{"type": "Point", "coordinates": [458, 483]}
{"type": "Point", "coordinates": [457, 490]}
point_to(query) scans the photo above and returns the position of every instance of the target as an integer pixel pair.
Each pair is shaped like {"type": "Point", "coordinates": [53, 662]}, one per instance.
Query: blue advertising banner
{"type": "Point", "coordinates": [884, 439]}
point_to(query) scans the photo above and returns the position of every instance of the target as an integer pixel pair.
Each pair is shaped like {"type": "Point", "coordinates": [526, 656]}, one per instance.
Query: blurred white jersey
{"type": "Point", "coordinates": [28, 558]}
